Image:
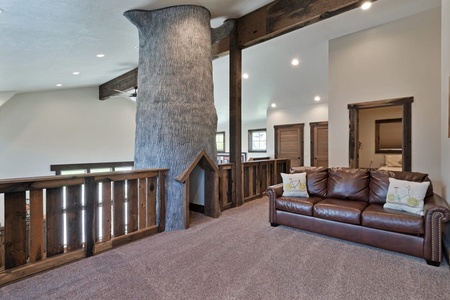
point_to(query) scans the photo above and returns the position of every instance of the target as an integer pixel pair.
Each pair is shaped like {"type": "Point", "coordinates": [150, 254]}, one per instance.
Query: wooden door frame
{"type": "Point", "coordinates": [354, 128]}
{"type": "Point", "coordinates": [312, 126]}
{"type": "Point", "coordinates": [302, 140]}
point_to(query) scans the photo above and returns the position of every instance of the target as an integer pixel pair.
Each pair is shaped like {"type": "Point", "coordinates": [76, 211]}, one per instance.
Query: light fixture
{"type": "Point", "coordinates": [59, 84]}
{"type": "Point", "coordinates": [245, 75]}
{"type": "Point", "coordinates": [295, 62]}
{"type": "Point", "coordinates": [317, 98]}
{"type": "Point", "coordinates": [100, 55]}
{"type": "Point", "coordinates": [76, 73]}
{"type": "Point", "coordinates": [366, 5]}
{"type": "Point", "coordinates": [1, 11]}
{"type": "Point", "coordinates": [273, 105]}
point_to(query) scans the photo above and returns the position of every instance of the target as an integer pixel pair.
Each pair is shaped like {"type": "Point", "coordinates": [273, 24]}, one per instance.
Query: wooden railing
{"type": "Point", "coordinates": [258, 175]}
{"type": "Point", "coordinates": [72, 217]}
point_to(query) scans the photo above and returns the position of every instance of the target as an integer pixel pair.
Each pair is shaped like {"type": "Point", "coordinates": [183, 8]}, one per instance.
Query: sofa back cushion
{"type": "Point", "coordinates": [316, 179]}
{"type": "Point", "coordinates": [346, 183]}
{"type": "Point", "coordinates": [379, 183]}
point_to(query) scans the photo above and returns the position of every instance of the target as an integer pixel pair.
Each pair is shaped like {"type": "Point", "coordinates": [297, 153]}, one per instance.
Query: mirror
{"type": "Point", "coordinates": [388, 136]}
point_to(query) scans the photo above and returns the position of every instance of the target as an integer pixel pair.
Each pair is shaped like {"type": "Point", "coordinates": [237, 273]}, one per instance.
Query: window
{"type": "Point", "coordinates": [220, 141]}
{"type": "Point", "coordinates": [257, 140]}
{"type": "Point", "coordinates": [388, 136]}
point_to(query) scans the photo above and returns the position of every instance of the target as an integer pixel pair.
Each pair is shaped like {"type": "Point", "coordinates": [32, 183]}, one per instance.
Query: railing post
{"type": "Point", "coordinates": [162, 201]}
{"type": "Point", "coordinates": [90, 197]}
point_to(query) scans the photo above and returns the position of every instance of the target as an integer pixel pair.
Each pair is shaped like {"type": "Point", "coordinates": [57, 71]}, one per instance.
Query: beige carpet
{"type": "Point", "coordinates": [239, 256]}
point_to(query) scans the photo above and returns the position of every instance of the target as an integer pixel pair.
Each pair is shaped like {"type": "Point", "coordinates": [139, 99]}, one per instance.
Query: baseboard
{"type": "Point", "coordinates": [197, 208]}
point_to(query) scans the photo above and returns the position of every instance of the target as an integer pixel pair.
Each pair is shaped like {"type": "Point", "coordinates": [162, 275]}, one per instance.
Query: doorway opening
{"type": "Point", "coordinates": [354, 129]}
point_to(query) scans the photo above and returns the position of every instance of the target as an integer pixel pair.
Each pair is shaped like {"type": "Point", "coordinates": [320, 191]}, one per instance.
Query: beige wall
{"type": "Point", "coordinates": [398, 59]}
{"type": "Point", "coordinates": [445, 140]}
{"type": "Point", "coordinates": [63, 126]}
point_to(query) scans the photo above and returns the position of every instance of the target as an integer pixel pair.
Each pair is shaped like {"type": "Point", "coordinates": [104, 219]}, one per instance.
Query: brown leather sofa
{"type": "Point", "coordinates": [348, 204]}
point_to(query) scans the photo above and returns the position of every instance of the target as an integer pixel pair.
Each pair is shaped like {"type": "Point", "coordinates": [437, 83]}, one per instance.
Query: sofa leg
{"type": "Point", "coordinates": [273, 224]}
{"type": "Point", "coordinates": [433, 263]}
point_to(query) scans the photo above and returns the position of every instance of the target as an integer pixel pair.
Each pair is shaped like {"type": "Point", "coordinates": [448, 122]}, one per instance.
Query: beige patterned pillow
{"type": "Point", "coordinates": [294, 185]}
{"type": "Point", "coordinates": [393, 160]}
{"type": "Point", "coordinates": [406, 195]}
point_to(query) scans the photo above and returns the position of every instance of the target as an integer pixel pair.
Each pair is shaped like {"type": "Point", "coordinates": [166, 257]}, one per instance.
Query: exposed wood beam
{"type": "Point", "coordinates": [122, 83]}
{"type": "Point", "coordinates": [283, 16]}
{"type": "Point", "coordinates": [235, 122]}
{"type": "Point", "coordinates": [270, 21]}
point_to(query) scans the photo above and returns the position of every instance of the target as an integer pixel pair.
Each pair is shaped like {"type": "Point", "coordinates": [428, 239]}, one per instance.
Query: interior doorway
{"type": "Point", "coordinates": [289, 143]}
{"type": "Point", "coordinates": [354, 129]}
{"type": "Point", "coordinates": [319, 144]}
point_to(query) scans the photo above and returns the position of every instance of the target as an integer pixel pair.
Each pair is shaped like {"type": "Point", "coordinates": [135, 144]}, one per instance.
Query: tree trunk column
{"type": "Point", "coordinates": [175, 116]}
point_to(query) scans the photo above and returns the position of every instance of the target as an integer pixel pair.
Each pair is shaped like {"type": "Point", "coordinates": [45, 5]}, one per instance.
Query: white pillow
{"type": "Point", "coordinates": [393, 160]}
{"type": "Point", "coordinates": [406, 195]}
{"type": "Point", "coordinates": [294, 185]}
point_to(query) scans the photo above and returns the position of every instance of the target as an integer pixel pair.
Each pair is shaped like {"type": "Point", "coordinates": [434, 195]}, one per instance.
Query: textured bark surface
{"type": "Point", "coordinates": [176, 116]}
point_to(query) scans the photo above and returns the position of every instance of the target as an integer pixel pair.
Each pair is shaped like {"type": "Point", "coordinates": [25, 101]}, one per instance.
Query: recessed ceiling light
{"type": "Point", "coordinates": [317, 98]}
{"type": "Point", "coordinates": [366, 5]}
{"type": "Point", "coordinates": [295, 62]}
{"type": "Point", "coordinates": [59, 84]}
{"type": "Point", "coordinates": [273, 105]}
{"type": "Point", "coordinates": [1, 11]}
{"type": "Point", "coordinates": [245, 75]}
{"type": "Point", "coordinates": [76, 73]}
{"type": "Point", "coordinates": [100, 55]}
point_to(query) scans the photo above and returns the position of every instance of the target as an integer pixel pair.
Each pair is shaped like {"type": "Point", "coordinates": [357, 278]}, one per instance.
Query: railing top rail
{"type": "Point", "coordinates": [27, 183]}
{"type": "Point", "coordinates": [98, 165]}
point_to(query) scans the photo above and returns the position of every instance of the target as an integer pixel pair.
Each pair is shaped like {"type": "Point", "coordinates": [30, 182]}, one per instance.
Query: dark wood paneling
{"type": "Point", "coordinates": [132, 209]}
{"type": "Point", "coordinates": [74, 217]}
{"type": "Point", "coordinates": [119, 208]}
{"type": "Point", "coordinates": [15, 230]}
{"type": "Point", "coordinates": [36, 225]}
{"type": "Point", "coordinates": [55, 221]}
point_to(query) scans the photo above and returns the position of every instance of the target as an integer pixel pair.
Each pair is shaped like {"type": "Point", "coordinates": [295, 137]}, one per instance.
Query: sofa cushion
{"type": "Point", "coordinates": [379, 183]}
{"type": "Point", "coordinates": [340, 210]}
{"type": "Point", "coordinates": [294, 185]}
{"type": "Point", "coordinates": [302, 206]}
{"type": "Point", "coordinates": [375, 216]}
{"type": "Point", "coordinates": [351, 184]}
{"type": "Point", "coordinates": [316, 179]}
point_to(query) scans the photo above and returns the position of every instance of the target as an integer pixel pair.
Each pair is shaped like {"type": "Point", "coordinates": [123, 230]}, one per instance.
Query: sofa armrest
{"type": "Point", "coordinates": [435, 204]}
{"type": "Point", "coordinates": [436, 212]}
{"type": "Point", "coordinates": [273, 192]}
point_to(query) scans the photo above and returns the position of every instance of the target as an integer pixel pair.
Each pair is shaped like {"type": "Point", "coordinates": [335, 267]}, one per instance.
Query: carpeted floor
{"type": "Point", "coordinates": [239, 256]}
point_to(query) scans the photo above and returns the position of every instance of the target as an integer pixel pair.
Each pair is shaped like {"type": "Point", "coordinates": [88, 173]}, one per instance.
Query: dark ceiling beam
{"type": "Point", "coordinates": [283, 16]}
{"type": "Point", "coordinates": [122, 83]}
{"type": "Point", "coordinates": [270, 21]}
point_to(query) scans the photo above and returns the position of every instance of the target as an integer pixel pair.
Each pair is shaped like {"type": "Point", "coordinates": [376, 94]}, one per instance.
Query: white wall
{"type": "Point", "coordinates": [445, 140]}
{"type": "Point", "coordinates": [398, 59]}
{"type": "Point", "coordinates": [61, 127]}
{"type": "Point", "coordinates": [367, 118]}
{"type": "Point", "coordinates": [295, 115]}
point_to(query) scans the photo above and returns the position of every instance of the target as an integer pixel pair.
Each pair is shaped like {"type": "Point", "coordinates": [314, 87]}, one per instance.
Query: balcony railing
{"type": "Point", "coordinates": [53, 220]}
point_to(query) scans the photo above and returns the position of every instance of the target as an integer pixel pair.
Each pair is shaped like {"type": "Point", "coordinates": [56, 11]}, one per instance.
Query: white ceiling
{"type": "Point", "coordinates": [43, 42]}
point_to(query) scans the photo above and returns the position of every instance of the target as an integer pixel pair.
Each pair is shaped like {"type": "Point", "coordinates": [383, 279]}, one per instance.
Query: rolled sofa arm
{"type": "Point", "coordinates": [436, 212]}
{"type": "Point", "coordinates": [273, 192]}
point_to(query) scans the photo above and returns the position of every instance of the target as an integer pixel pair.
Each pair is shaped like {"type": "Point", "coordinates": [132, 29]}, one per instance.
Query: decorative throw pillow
{"type": "Point", "coordinates": [393, 160]}
{"type": "Point", "coordinates": [406, 195]}
{"type": "Point", "coordinates": [294, 185]}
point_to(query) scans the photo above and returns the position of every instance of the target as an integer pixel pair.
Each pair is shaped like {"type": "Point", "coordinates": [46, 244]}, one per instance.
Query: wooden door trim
{"type": "Point", "coordinates": [312, 126]}
{"type": "Point", "coordinates": [354, 109]}
{"type": "Point", "coordinates": [301, 126]}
